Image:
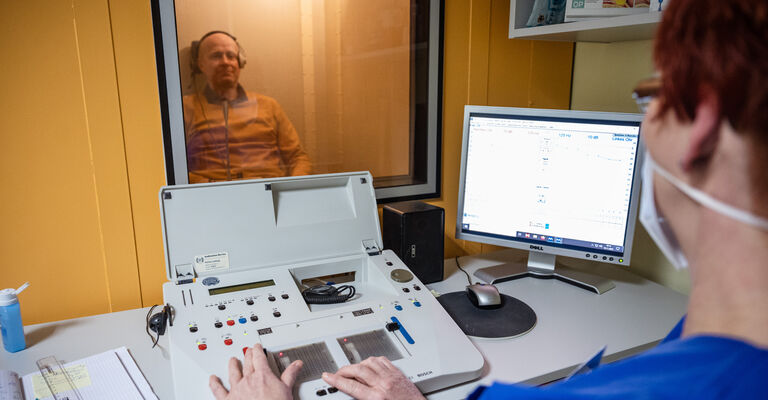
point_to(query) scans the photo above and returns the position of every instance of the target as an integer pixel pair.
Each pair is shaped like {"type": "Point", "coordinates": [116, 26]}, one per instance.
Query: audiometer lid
{"type": "Point", "coordinates": [223, 227]}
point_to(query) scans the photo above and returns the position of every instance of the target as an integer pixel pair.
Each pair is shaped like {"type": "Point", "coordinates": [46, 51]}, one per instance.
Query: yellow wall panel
{"type": "Point", "coordinates": [140, 110]}
{"type": "Point", "coordinates": [102, 110]}
{"type": "Point", "coordinates": [604, 74]}
{"type": "Point", "coordinates": [550, 81]}
{"type": "Point", "coordinates": [478, 52]}
{"type": "Point", "coordinates": [456, 65]}
{"type": "Point", "coordinates": [52, 223]}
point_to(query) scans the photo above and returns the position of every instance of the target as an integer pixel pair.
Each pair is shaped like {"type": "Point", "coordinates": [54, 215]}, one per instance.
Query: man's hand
{"type": "Point", "coordinates": [375, 378]}
{"type": "Point", "coordinates": [256, 380]}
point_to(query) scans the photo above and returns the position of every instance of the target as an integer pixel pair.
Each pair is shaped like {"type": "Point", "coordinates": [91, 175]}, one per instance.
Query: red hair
{"type": "Point", "coordinates": [720, 46]}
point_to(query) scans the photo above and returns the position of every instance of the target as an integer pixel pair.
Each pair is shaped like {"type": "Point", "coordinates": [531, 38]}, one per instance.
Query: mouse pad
{"type": "Point", "coordinates": [512, 318]}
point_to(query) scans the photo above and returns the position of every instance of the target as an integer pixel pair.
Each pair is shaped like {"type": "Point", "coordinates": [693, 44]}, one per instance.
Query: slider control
{"type": "Point", "coordinates": [403, 332]}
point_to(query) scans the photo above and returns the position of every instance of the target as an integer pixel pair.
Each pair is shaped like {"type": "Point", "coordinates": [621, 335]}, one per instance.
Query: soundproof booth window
{"type": "Point", "coordinates": [264, 89]}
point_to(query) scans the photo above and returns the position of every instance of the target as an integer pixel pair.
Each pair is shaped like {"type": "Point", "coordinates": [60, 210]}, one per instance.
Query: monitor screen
{"type": "Point", "coordinates": [552, 181]}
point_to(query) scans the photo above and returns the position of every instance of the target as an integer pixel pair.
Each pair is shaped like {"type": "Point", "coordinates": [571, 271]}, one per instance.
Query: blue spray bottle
{"type": "Point", "coordinates": [10, 319]}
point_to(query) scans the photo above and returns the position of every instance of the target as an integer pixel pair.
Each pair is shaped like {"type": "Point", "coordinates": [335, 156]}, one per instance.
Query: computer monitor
{"type": "Point", "coordinates": [553, 182]}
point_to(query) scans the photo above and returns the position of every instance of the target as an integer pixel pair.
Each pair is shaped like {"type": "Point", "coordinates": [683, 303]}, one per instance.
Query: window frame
{"type": "Point", "coordinates": [426, 134]}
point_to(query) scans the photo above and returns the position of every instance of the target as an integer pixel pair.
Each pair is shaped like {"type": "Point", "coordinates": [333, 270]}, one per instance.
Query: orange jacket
{"type": "Point", "coordinates": [260, 141]}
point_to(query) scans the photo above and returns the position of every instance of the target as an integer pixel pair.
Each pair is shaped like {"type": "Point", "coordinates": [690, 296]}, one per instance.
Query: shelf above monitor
{"type": "Point", "coordinates": [605, 30]}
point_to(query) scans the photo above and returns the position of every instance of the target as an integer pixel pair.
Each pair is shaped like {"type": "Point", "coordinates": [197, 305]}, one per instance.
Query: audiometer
{"type": "Point", "coordinates": [296, 264]}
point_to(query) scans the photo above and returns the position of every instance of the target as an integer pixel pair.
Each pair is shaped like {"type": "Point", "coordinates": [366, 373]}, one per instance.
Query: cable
{"type": "Point", "coordinates": [154, 339]}
{"type": "Point", "coordinates": [328, 294]}
{"type": "Point", "coordinates": [158, 322]}
{"type": "Point", "coordinates": [226, 135]}
{"type": "Point", "coordinates": [462, 270]}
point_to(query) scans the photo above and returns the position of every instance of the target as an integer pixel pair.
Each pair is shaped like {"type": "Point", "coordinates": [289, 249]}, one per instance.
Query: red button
{"type": "Point", "coordinates": [244, 350]}
{"type": "Point", "coordinates": [230, 322]}
{"type": "Point", "coordinates": [202, 346]}
{"type": "Point", "coordinates": [227, 341]}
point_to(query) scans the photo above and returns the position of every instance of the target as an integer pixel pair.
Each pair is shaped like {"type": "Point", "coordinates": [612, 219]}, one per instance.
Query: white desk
{"type": "Point", "coordinates": [572, 325]}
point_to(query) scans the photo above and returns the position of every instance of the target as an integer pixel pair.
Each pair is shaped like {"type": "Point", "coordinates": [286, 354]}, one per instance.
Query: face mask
{"type": "Point", "coordinates": [656, 224]}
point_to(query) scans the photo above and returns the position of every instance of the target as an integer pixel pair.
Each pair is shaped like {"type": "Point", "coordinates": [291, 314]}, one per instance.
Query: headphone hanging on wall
{"type": "Point", "coordinates": [195, 52]}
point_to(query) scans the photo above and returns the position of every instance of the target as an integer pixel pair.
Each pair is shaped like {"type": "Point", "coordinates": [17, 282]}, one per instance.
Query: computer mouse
{"type": "Point", "coordinates": [483, 295]}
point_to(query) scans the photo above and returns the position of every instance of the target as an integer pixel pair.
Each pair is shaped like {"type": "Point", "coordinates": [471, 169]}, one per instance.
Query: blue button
{"type": "Point", "coordinates": [398, 307]}
{"type": "Point", "coordinates": [417, 304]}
{"type": "Point", "coordinates": [242, 320]}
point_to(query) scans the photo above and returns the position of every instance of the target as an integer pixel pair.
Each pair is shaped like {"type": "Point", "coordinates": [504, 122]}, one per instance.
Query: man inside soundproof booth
{"type": "Point", "coordinates": [232, 133]}
{"type": "Point", "coordinates": [705, 181]}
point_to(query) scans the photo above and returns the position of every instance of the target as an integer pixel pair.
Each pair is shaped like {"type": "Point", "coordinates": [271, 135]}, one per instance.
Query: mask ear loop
{"type": "Point", "coordinates": [712, 203]}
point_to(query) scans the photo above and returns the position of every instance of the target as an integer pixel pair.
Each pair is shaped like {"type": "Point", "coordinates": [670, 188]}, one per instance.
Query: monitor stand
{"type": "Point", "coordinates": [542, 265]}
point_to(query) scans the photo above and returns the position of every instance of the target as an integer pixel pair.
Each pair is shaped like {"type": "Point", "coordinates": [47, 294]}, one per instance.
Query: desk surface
{"type": "Point", "coordinates": [573, 324]}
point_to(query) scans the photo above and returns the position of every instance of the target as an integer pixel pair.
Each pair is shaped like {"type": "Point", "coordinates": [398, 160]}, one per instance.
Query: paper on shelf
{"type": "Point", "coordinates": [590, 9]}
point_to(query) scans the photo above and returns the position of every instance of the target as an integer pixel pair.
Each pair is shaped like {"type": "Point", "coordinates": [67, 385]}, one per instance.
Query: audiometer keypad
{"type": "Point", "coordinates": [237, 326]}
{"type": "Point", "coordinates": [259, 249]}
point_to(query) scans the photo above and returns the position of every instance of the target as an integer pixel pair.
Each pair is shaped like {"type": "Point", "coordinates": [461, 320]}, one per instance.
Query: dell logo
{"type": "Point", "coordinates": [539, 248]}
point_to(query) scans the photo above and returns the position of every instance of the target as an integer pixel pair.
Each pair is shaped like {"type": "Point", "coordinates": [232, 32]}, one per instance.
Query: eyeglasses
{"type": "Point", "coordinates": [645, 91]}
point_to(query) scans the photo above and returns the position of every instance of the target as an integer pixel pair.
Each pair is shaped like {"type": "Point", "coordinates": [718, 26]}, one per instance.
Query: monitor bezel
{"type": "Point", "coordinates": [543, 247]}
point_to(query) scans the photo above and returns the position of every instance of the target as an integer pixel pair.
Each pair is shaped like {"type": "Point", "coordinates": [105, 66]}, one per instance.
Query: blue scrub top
{"type": "Point", "coordinates": [697, 367]}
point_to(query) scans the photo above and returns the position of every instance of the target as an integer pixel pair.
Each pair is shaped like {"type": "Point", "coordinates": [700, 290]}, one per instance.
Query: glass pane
{"type": "Point", "coordinates": [304, 86]}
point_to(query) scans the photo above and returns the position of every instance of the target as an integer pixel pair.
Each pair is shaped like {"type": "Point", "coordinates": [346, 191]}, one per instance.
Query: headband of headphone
{"type": "Point", "coordinates": [195, 51]}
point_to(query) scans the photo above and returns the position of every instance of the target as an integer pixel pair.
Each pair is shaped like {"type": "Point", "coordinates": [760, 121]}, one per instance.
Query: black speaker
{"type": "Point", "coordinates": [414, 231]}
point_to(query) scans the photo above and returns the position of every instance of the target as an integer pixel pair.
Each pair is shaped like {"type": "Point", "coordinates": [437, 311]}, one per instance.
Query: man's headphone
{"type": "Point", "coordinates": [195, 52]}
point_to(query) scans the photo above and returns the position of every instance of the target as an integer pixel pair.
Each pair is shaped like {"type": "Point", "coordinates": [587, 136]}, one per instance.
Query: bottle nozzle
{"type": "Point", "coordinates": [21, 288]}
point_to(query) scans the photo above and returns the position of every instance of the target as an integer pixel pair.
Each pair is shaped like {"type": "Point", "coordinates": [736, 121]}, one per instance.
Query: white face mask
{"type": "Point", "coordinates": [656, 224]}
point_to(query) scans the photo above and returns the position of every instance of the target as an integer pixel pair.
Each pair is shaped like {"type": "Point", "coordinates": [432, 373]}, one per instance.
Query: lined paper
{"type": "Point", "coordinates": [112, 375]}
{"type": "Point", "coordinates": [10, 386]}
